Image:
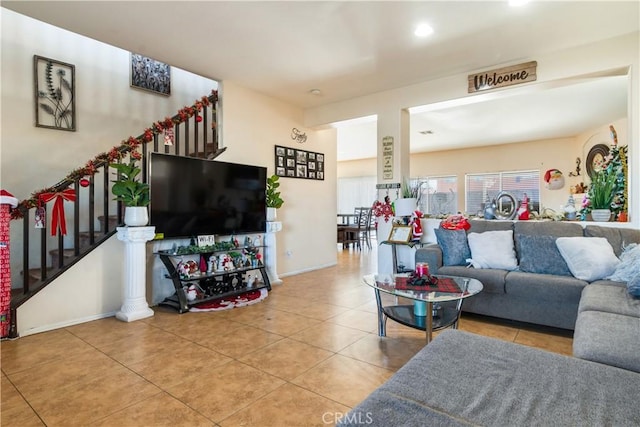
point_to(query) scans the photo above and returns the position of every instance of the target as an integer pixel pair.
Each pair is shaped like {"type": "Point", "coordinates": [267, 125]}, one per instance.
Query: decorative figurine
{"type": "Point", "coordinates": [523, 210]}
{"type": "Point", "coordinates": [569, 209]}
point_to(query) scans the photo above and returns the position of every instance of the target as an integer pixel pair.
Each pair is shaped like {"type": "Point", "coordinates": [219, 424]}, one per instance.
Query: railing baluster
{"type": "Point", "coordinates": [92, 210]}
{"type": "Point", "coordinates": [196, 127]}
{"type": "Point", "coordinates": [76, 219]}
{"type": "Point", "coordinates": [176, 139]}
{"type": "Point", "coordinates": [25, 251]}
{"type": "Point", "coordinates": [105, 199]}
{"type": "Point", "coordinates": [155, 142]}
{"type": "Point", "coordinates": [205, 126]}
{"type": "Point", "coordinates": [186, 138]}
{"type": "Point", "coordinates": [43, 246]}
{"type": "Point", "coordinates": [60, 249]}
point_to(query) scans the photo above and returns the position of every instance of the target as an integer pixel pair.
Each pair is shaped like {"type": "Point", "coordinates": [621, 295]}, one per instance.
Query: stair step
{"type": "Point", "coordinates": [210, 149]}
{"type": "Point", "coordinates": [35, 275]}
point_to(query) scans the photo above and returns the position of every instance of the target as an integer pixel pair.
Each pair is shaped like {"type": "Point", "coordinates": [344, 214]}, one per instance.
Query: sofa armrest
{"type": "Point", "coordinates": [432, 255]}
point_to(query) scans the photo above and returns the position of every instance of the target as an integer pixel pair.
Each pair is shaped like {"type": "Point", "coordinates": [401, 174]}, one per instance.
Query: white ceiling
{"type": "Point", "coordinates": [354, 48]}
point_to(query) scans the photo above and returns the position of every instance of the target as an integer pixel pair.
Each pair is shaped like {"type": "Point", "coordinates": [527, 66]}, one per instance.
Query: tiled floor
{"type": "Point", "coordinates": [302, 357]}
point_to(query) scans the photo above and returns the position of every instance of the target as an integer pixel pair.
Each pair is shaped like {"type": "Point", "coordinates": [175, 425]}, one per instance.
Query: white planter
{"type": "Point", "coordinates": [271, 214]}
{"type": "Point", "coordinates": [136, 216]}
{"type": "Point", "coordinates": [601, 215]}
{"type": "Point", "coordinates": [405, 207]}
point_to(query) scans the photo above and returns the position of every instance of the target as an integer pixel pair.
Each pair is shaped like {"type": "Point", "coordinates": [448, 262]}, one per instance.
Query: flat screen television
{"type": "Point", "coordinates": [192, 197]}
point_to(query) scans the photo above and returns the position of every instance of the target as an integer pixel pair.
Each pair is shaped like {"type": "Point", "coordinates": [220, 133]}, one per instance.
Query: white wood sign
{"type": "Point", "coordinates": [387, 157]}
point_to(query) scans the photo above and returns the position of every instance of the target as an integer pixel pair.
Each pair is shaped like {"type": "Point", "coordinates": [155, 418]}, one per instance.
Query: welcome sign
{"type": "Point", "coordinates": [501, 77]}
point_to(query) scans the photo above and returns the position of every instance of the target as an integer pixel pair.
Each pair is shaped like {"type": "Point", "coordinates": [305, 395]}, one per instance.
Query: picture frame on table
{"type": "Point", "coordinates": [400, 233]}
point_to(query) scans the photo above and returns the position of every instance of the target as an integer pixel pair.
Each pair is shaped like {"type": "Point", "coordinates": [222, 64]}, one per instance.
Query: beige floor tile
{"type": "Point", "coordinates": [159, 410]}
{"type": "Point", "coordinates": [484, 327]}
{"type": "Point", "coordinates": [32, 350]}
{"type": "Point", "coordinates": [82, 404]}
{"type": "Point", "coordinates": [105, 331]}
{"type": "Point", "coordinates": [239, 342]}
{"type": "Point", "coordinates": [362, 320]}
{"type": "Point", "coordinates": [343, 379]}
{"type": "Point", "coordinates": [225, 390]}
{"type": "Point", "coordinates": [287, 358]}
{"type": "Point", "coordinates": [329, 336]}
{"type": "Point", "coordinates": [319, 311]}
{"type": "Point", "coordinates": [144, 346]}
{"type": "Point", "coordinates": [554, 343]}
{"type": "Point", "coordinates": [288, 405]}
{"type": "Point", "coordinates": [15, 411]}
{"type": "Point", "coordinates": [179, 364]}
{"type": "Point", "coordinates": [282, 322]}
{"type": "Point", "coordinates": [386, 352]}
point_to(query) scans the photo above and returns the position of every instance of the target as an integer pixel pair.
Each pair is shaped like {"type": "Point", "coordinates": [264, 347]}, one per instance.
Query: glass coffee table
{"type": "Point", "coordinates": [434, 308]}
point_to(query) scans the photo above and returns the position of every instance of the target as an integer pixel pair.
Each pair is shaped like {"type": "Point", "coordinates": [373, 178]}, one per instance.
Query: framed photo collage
{"type": "Point", "coordinates": [294, 163]}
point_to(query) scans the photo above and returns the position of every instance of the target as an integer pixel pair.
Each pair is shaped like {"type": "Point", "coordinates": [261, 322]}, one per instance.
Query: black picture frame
{"type": "Point", "coordinates": [295, 163]}
{"type": "Point", "coordinates": [55, 94]}
{"type": "Point", "coordinates": [150, 75]}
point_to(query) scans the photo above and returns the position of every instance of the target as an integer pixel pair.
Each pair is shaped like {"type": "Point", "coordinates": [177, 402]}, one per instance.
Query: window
{"type": "Point", "coordinates": [438, 195]}
{"type": "Point", "coordinates": [483, 187]}
{"type": "Point", "coordinates": [356, 192]}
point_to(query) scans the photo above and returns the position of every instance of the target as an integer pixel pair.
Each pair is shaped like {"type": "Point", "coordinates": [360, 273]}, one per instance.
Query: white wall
{"type": "Point", "coordinates": [595, 59]}
{"type": "Point", "coordinates": [108, 111]}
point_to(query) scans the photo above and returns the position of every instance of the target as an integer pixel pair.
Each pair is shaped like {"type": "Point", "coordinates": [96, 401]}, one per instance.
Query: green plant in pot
{"type": "Point", "coordinates": [273, 199]}
{"type": "Point", "coordinates": [408, 201]}
{"type": "Point", "coordinates": [601, 193]}
{"type": "Point", "coordinates": [131, 192]}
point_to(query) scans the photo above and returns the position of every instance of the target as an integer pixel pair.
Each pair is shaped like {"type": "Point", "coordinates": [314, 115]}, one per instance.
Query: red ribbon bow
{"type": "Point", "coordinates": [57, 218]}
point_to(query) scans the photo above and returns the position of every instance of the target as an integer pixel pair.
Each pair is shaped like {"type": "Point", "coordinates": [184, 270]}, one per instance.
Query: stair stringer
{"type": "Point", "coordinates": [90, 289]}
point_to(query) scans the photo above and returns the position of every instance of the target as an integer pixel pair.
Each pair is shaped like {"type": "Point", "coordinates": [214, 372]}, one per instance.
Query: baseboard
{"type": "Point", "coordinates": [65, 324]}
{"type": "Point", "coordinates": [307, 270]}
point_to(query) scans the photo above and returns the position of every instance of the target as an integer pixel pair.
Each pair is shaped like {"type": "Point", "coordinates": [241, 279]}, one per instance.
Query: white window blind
{"type": "Point", "coordinates": [483, 187]}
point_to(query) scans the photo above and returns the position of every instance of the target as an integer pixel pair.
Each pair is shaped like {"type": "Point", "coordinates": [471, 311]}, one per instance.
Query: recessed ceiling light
{"type": "Point", "coordinates": [516, 3]}
{"type": "Point", "coordinates": [315, 91]}
{"type": "Point", "coordinates": [423, 30]}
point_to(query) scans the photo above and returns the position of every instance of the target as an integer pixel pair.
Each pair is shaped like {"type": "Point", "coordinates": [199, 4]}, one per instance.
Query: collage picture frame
{"type": "Point", "coordinates": [295, 163]}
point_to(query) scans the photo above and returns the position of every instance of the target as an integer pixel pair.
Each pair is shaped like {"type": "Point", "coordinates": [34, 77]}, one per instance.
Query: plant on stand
{"type": "Point", "coordinates": [273, 199]}
{"type": "Point", "coordinates": [131, 192]}
{"type": "Point", "coordinates": [408, 202]}
{"type": "Point", "coordinates": [600, 195]}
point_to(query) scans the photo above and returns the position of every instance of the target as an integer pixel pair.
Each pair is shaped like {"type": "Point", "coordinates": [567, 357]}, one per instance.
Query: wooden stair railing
{"type": "Point", "coordinates": [195, 135]}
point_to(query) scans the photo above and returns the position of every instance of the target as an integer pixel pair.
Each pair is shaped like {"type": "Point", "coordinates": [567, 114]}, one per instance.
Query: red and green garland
{"type": "Point", "coordinates": [128, 146]}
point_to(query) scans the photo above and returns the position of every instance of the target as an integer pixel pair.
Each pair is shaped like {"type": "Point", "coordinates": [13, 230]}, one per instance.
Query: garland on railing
{"type": "Point", "coordinates": [116, 153]}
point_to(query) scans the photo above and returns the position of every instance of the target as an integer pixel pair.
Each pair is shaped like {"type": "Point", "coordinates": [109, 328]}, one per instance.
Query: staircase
{"type": "Point", "coordinates": [45, 255]}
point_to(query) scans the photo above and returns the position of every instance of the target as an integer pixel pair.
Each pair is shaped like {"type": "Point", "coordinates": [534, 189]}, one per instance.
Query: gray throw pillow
{"type": "Point", "coordinates": [539, 254]}
{"type": "Point", "coordinates": [455, 248]}
{"type": "Point", "coordinates": [633, 286]}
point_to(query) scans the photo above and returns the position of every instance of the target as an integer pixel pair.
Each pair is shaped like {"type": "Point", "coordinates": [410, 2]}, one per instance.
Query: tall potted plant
{"type": "Point", "coordinates": [273, 199]}
{"type": "Point", "coordinates": [601, 193]}
{"type": "Point", "coordinates": [131, 192]}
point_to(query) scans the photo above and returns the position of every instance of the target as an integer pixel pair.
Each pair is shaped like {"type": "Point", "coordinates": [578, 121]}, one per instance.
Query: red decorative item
{"type": "Point", "coordinates": [523, 210]}
{"type": "Point", "coordinates": [198, 118]}
{"type": "Point", "coordinates": [7, 201]}
{"type": "Point", "coordinates": [455, 222]}
{"type": "Point", "coordinates": [168, 136]}
{"type": "Point", "coordinates": [58, 220]}
{"type": "Point", "coordinates": [84, 182]}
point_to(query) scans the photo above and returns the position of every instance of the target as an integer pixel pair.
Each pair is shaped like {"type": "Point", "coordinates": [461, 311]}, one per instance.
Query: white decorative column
{"type": "Point", "coordinates": [135, 306]}
{"type": "Point", "coordinates": [270, 251]}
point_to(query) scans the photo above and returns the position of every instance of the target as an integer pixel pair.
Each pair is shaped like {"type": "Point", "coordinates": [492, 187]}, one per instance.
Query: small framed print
{"type": "Point", "coordinates": [294, 163]}
{"type": "Point", "coordinates": [400, 233]}
{"type": "Point", "coordinates": [150, 75]}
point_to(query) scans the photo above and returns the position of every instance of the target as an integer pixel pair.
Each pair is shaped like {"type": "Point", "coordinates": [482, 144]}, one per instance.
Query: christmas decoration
{"type": "Point", "coordinates": [84, 182]}
{"type": "Point", "coordinates": [58, 220]}
{"type": "Point", "coordinates": [119, 152]}
{"type": "Point", "coordinates": [7, 201]}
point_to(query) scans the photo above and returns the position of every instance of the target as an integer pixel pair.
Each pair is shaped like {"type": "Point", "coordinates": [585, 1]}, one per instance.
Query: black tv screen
{"type": "Point", "coordinates": [191, 196]}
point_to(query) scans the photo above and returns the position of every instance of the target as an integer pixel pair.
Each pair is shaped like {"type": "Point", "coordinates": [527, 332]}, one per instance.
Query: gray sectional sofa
{"type": "Point", "coordinates": [539, 298]}
{"type": "Point", "coordinates": [462, 379]}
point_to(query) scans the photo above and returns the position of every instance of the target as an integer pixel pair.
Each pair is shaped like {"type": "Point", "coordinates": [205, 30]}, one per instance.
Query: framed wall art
{"type": "Point", "coordinates": [294, 163]}
{"type": "Point", "coordinates": [55, 93]}
{"type": "Point", "coordinates": [151, 75]}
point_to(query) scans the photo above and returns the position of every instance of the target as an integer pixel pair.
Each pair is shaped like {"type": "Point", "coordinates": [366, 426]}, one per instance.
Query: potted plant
{"type": "Point", "coordinates": [131, 192]}
{"type": "Point", "coordinates": [273, 199]}
{"type": "Point", "coordinates": [408, 202]}
{"type": "Point", "coordinates": [601, 193]}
